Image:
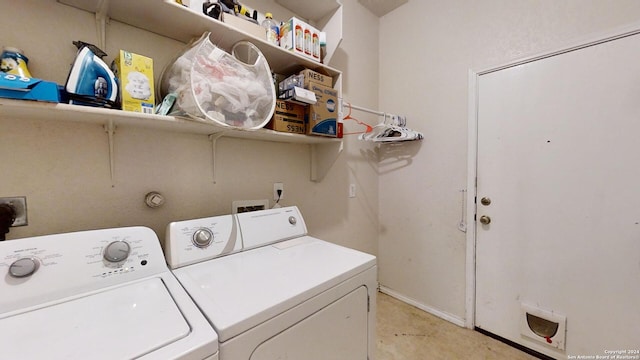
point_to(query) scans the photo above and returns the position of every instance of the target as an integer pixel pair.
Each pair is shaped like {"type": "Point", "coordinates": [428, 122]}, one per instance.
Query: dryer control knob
{"type": "Point", "coordinates": [202, 237]}
{"type": "Point", "coordinates": [23, 267]}
{"type": "Point", "coordinates": [117, 251]}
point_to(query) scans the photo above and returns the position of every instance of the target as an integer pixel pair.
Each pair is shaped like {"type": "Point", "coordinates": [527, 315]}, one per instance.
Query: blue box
{"type": "Point", "coordinates": [22, 88]}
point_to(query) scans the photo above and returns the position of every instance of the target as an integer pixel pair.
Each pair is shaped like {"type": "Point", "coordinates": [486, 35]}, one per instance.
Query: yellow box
{"type": "Point", "coordinates": [135, 74]}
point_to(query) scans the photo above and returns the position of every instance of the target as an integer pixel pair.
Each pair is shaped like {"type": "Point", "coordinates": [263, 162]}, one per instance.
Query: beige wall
{"type": "Point", "coordinates": [426, 51]}
{"type": "Point", "coordinates": [63, 168]}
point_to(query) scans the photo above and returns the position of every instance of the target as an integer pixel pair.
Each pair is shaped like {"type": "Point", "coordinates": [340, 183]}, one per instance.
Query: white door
{"type": "Point", "coordinates": [559, 161]}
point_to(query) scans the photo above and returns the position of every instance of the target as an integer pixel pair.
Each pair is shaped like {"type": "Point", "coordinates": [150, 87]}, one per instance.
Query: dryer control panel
{"type": "Point", "coordinates": [45, 268]}
{"type": "Point", "coordinates": [192, 241]}
{"type": "Point", "coordinates": [196, 240]}
{"type": "Point", "coordinates": [265, 227]}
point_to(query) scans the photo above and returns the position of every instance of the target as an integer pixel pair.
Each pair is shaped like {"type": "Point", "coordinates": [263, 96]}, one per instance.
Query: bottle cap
{"type": "Point", "coordinates": [268, 15]}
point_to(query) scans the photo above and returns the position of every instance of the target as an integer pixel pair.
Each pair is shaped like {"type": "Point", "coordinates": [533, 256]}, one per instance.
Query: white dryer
{"type": "Point", "coordinates": [278, 293]}
{"type": "Point", "coordinates": [100, 294]}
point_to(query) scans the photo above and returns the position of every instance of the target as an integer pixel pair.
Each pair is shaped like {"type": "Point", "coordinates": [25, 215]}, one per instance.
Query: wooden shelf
{"type": "Point", "coordinates": [172, 20]}
{"type": "Point", "coordinates": [22, 109]}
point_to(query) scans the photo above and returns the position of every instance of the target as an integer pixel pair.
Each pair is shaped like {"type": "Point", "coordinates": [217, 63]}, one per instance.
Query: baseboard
{"type": "Point", "coordinates": [522, 348]}
{"type": "Point", "coordinates": [441, 314]}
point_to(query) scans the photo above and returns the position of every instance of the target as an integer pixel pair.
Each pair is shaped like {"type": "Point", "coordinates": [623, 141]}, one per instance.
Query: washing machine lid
{"type": "Point", "coordinates": [122, 322]}
{"type": "Point", "coordinates": [240, 291]}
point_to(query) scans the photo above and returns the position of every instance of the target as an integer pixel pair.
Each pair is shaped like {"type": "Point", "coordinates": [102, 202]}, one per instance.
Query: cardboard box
{"type": "Point", "coordinates": [288, 117]}
{"type": "Point", "coordinates": [21, 88]}
{"type": "Point", "coordinates": [244, 25]}
{"type": "Point", "coordinates": [301, 38]}
{"type": "Point", "coordinates": [135, 73]}
{"type": "Point", "coordinates": [299, 95]}
{"type": "Point", "coordinates": [292, 35]}
{"type": "Point", "coordinates": [316, 76]}
{"type": "Point", "coordinates": [322, 117]}
{"type": "Point", "coordinates": [290, 82]}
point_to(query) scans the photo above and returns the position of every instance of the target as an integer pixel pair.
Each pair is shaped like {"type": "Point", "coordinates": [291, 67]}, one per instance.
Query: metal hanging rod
{"type": "Point", "coordinates": [379, 113]}
{"type": "Point", "coordinates": [395, 119]}
{"type": "Point", "coordinates": [360, 108]}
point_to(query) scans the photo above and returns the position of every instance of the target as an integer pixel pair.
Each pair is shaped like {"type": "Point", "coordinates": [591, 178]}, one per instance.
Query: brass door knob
{"type": "Point", "coordinates": [484, 219]}
{"type": "Point", "coordinates": [485, 201]}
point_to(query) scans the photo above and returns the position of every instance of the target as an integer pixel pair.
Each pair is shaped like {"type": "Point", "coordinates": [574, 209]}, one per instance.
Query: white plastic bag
{"type": "Point", "coordinates": [212, 85]}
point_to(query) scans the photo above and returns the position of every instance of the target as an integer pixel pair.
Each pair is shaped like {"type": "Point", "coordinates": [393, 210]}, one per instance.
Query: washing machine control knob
{"type": "Point", "coordinates": [23, 267]}
{"type": "Point", "coordinates": [117, 251]}
{"type": "Point", "coordinates": [202, 237]}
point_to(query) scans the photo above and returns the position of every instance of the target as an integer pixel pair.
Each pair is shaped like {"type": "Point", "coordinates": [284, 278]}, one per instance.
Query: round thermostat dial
{"type": "Point", "coordinates": [202, 237]}
{"type": "Point", "coordinates": [23, 267]}
{"type": "Point", "coordinates": [117, 251]}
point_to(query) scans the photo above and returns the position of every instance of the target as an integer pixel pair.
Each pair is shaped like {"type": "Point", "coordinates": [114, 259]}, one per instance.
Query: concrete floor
{"type": "Point", "coordinates": [408, 333]}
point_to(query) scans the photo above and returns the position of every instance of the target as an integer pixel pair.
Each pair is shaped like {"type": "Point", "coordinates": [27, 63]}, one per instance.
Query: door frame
{"type": "Point", "coordinates": [472, 146]}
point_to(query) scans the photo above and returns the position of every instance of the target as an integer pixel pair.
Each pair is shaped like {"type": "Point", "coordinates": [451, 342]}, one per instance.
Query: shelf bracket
{"type": "Point", "coordinates": [101, 23]}
{"type": "Point", "coordinates": [214, 139]}
{"type": "Point", "coordinates": [323, 156]}
{"type": "Point", "coordinates": [110, 129]}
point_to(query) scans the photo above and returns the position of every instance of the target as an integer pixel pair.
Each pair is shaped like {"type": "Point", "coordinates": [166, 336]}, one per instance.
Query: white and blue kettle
{"type": "Point", "coordinates": [90, 80]}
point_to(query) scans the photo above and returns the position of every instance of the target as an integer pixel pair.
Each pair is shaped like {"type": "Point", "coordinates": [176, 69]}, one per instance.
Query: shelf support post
{"type": "Point", "coordinates": [101, 23]}
{"type": "Point", "coordinates": [214, 139]}
{"type": "Point", "coordinates": [110, 129]}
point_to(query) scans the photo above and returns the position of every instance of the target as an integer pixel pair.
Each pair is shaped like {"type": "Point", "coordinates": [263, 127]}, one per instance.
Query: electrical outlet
{"type": "Point", "coordinates": [352, 190]}
{"type": "Point", "coordinates": [19, 204]}
{"type": "Point", "coordinates": [276, 187]}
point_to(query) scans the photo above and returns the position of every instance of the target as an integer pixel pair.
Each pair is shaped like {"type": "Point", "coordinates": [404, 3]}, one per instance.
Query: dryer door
{"type": "Point", "coordinates": [338, 331]}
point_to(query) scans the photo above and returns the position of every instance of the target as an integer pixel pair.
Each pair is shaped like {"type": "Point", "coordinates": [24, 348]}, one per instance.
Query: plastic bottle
{"type": "Point", "coordinates": [14, 62]}
{"type": "Point", "coordinates": [272, 29]}
{"type": "Point", "coordinates": [323, 46]}
{"type": "Point", "coordinates": [316, 46]}
{"type": "Point", "coordinates": [299, 36]}
{"type": "Point", "coordinates": [308, 44]}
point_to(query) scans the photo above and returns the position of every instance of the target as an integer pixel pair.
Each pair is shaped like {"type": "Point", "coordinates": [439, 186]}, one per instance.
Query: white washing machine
{"type": "Point", "coordinates": [100, 294]}
{"type": "Point", "coordinates": [273, 292]}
